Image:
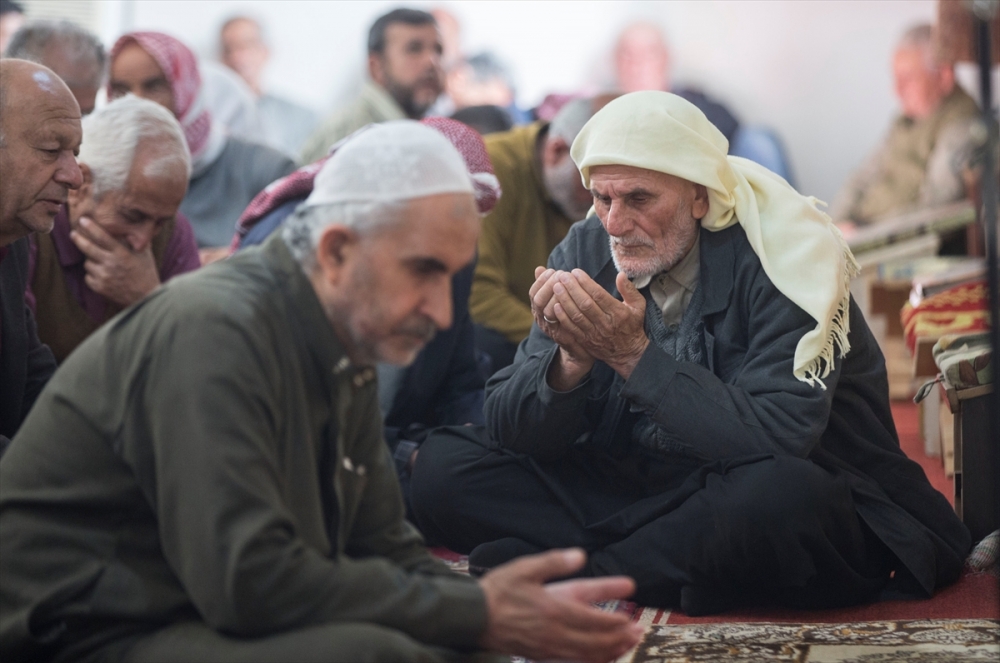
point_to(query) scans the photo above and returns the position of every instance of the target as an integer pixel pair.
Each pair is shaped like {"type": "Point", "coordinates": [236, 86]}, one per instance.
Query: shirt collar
{"type": "Point", "coordinates": [685, 272]}
{"type": "Point", "coordinates": [66, 250]}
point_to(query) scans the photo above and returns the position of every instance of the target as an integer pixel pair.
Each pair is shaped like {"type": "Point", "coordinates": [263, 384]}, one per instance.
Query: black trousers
{"type": "Point", "coordinates": [706, 538]}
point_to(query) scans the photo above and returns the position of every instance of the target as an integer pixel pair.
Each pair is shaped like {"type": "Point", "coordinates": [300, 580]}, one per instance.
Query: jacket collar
{"type": "Point", "coordinates": [718, 260]}
{"type": "Point", "coordinates": [381, 103]}
{"type": "Point", "coordinates": [310, 320]}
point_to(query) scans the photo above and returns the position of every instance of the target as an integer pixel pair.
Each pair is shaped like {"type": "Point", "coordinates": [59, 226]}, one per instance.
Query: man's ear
{"type": "Point", "coordinates": [554, 150]}
{"type": "Point", "coordinates": [81, 195]}
{"type": "Point", "coordinates": [334, 249]}
{"type": "Point", "coordinates": [699, 207]}
{"type": "Point", "coordinates": [376, 68]}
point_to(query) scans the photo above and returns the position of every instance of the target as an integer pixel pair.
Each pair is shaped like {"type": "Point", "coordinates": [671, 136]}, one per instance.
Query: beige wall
{"type": "Point", "coordinates": [816, 71]}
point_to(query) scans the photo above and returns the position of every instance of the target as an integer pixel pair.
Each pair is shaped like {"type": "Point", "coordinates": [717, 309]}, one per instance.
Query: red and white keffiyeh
{"type": "Point", "coordinates": [180, 66]}
{"type": "Point", "coordinates": [300, 183]}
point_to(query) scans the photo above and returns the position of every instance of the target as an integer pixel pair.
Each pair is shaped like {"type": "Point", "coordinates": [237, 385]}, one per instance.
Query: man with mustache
{"type": "Point", "coordinates": [205, 478]}
{"type": "Point", "coordinates": [699, 403]}
{"type": "Point", "coordinates": [39, 137]}
{"type": "Point", "coordinates": [406, 78]}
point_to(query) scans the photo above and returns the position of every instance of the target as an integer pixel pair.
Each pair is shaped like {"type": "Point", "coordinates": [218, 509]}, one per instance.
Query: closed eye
{"type": "Point", "coordinates": [427, 266]}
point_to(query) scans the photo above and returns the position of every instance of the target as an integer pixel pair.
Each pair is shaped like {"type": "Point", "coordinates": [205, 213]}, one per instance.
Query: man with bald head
{"type": "Point", "coordinates": [699, 403]}
{"type": "Point", "coordinates": [914, 164]}
{"type": "Point", "coordinates": [75, 54]}
{"type": "Point", "coordinates": [205, 479]}
{"type": "Point", "coordinates": [40, 136]}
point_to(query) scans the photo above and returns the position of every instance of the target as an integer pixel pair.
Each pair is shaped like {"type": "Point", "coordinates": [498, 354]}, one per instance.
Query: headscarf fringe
{"type": "Point", "coordinates": [838, 339]}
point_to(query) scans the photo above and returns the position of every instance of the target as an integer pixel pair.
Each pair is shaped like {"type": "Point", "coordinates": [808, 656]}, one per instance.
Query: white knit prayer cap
{"type": "Point", "coordinates": [391, 162]}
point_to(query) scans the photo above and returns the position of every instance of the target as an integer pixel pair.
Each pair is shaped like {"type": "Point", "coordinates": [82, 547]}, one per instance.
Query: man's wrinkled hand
{"type": "Point", "coordinates": [114, 270]}
{"type": "Point", "coordinates": [542, 621]}
{"type": "Point", "coordinates": [607, 329]}
{"type": "Point", "coordinates": [573, 362]}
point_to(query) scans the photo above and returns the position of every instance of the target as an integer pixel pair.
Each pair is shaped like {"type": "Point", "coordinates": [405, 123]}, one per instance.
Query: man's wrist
{"type": "Point", "coordinates": [566, 372]}
{"type": "Point", "coordinates": [627, 364]}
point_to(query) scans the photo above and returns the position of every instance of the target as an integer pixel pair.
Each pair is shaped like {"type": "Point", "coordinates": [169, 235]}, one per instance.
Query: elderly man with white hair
{"type": "Point", "coordinates": [119, 235]}
{"type": "Point", "coordinates": [699, 404]}
{"type": "Point", "coordinates": [205, 479]}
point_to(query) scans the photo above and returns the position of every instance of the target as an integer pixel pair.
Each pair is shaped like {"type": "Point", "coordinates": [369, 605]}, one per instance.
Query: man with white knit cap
{"type": "Point", "coordinates": [205, 479]}
{"type": "Point", "coordinates": [700, 404]}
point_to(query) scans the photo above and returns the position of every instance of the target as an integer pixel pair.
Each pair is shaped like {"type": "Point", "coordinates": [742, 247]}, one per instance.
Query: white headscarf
{"type": "Point", "coordinates": [800, 249]}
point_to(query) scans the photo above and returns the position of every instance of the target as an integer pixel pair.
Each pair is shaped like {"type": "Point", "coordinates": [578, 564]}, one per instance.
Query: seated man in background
{"type": "Point", "coordinates": [915, 163]}
{"type": "Point", "coordinates": [444, 384]}
{"type": "Point", "coordinates": [117, 238]}
{"type": "Point", "coordinates": [226, 172]}
{"type": "Point", "coordinates": [205, 478]}
{"type": "Point", "coordinates": [39, 137]}
{"type": "Point", "coordinates": [286, 124]}
{"type": "Point", "coordinates": [405, 79]}
{"type": "Point", "coordinates": [542, 198]}
{"type": "Point", "coordinates": [75, 54]}
{"type": "Point", "coordinates": [700, 403]}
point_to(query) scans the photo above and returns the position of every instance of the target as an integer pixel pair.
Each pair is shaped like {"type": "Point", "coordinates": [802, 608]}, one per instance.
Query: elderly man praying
{"type": "Point", "coordinates": [119, 236]}
{"type": "Point", "coordinates": [699, 403]}
{"type": "Point", "coordinates": [205, 478]}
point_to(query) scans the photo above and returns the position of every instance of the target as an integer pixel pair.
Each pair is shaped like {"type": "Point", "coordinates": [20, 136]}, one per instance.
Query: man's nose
{"type": "Point", "coordinates": [139, 238]}
{"type": "Point", "coordinates": [68, 173]}
{"type": "Point", "coordinates": [616, 222]}
{"type": "Point", "coordinates": [438, 306]}
{"type": "Point", "coordinates": [432, 58]}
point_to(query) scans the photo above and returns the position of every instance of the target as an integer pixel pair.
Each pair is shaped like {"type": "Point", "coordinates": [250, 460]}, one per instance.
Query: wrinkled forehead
{"type": "Point", "coordinates": [624, 176]}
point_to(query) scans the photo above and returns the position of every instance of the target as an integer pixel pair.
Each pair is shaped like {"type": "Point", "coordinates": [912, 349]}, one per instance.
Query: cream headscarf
{"type": "Point", "coordinates": [800, 249]}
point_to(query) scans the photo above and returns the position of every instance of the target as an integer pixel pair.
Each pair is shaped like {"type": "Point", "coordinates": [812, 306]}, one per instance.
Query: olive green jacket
{"type": "Point", "coordinates": [211, 454]}
{"type": "Point", "coordinates": [372, 106]}
{"type": "Point", "coordinates": [517, 236]}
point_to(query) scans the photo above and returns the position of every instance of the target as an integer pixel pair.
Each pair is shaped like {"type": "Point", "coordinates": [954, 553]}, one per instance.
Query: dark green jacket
{"type": "Point", "coordinates": [210, 454]}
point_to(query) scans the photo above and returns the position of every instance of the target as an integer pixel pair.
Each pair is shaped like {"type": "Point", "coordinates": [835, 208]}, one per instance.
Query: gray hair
{"type": "Point", "coordinates": [570, 119]}
{"type": "Point", "coordinates": [922, 37]}
{"type": "Point", "coordinates": [112, 135]}
{"type": "Point", "coordinates": [80, 46]}
{"type": "Point", "coordinates": [304, 227]}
